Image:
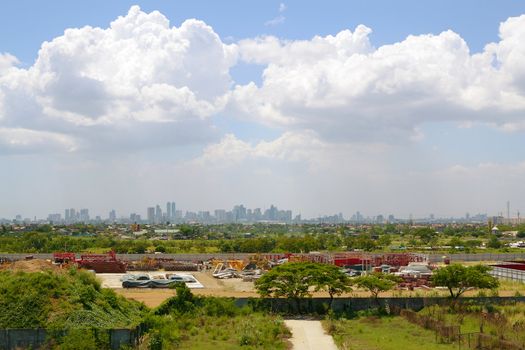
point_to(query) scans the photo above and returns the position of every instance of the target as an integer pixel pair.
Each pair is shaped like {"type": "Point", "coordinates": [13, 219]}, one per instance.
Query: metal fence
{"type": "Point", "coordinates": [433, 258]}
{"type": "Point", "coordinates": [507, 273]}
{"type": "Point", "coordinates": [482, 341]}
{"type": "Point", "coordinates": [15, 339]}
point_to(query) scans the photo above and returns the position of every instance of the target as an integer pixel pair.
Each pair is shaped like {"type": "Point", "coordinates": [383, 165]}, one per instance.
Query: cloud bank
{"type": "Point", "coordinates": [106, 87]}
{"type": "Point", "coordinates": [346, 114]}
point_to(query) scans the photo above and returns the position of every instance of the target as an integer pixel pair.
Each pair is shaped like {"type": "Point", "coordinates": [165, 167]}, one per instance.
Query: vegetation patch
{"type": "Point", "coordinates": [382, 333]}
{"type": "Point", "coordinates": [62, 299]}
{"type": "Point", "coordinates": [503, 322]}
{"type": "Point", "coordinates": [193, 322]}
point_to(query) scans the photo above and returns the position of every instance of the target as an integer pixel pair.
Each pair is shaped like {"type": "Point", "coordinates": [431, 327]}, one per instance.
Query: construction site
{"type": "Point", "coordinates": [148, 278]}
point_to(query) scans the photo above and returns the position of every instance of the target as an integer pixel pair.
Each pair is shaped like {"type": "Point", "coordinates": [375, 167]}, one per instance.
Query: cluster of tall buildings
{"type": "Point", "coordinates": [155, 214]}
{"type": "Point", "coordinates": [239, 213]}
{"type": "Point", "coordinates": [72, 215]}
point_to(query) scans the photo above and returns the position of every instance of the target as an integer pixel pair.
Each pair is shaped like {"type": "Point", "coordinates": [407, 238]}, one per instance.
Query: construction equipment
{"type": "Point", "coordinates": [64, 258]}
{"type": "Point", "coordinates": [102, 263]}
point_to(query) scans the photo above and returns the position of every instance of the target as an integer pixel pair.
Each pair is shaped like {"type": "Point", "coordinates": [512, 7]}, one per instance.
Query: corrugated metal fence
{"type": "Point", "coordinates": [11, 339]}
{"type": "Point", "coordinates": [506, 273]}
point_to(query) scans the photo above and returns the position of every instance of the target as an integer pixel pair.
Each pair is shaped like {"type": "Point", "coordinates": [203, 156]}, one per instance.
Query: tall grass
{"type": "Point", "coordinates": [193, 322]}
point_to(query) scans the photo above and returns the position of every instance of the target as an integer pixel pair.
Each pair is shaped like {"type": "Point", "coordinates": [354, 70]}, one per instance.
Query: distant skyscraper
{"type": "Point", "coordinates": [173, 211]}
{"type": "Point", "coordinates": [239, 213]}
{"type": "Point", "coordinates": [112, 215]}
{"type": "Point", "coordinates": [158, 214]}
{"type": "Point", "coordinates": [54, 218]}
{"type": "Point", "coordinates": [168, 211]}
{"type": "Point", "coordinates": [151, 215]}
{"type": "Point", "coordinates": [84, 215]}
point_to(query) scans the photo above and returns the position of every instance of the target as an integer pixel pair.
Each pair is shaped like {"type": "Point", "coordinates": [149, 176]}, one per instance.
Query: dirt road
{"type": "Point", "coordinates": [309, 335]}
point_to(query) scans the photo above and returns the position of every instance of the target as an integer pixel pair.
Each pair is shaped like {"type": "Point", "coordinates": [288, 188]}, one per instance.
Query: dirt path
{"type": "Point", "coordinates": [309, 335]}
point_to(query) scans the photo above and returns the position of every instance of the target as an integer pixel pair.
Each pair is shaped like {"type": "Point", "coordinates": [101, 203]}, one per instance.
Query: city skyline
{"type": "Point", "coordinates": [240, 213]}
{"type": "Point", "coordinates": [384, 107]}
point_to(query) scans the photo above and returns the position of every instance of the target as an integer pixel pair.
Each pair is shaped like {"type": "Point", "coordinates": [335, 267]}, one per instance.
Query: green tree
{"type": "Point", "coordinates": [458, 278]}
{"type": "Point", "coordinates": [376, 283]}
{"type": "Point", "coordinates": [425, 234]}
{"type": "Point", "coordinates": [182, 302]}
{"type": "Point", "coordinates": [494, 242]}
{"type": "Point", "coordinates": [385, 240]}
{"type": "Point", "coordinates": [290, 280]}
{"type": "Point", "coordinates": [331, 279]}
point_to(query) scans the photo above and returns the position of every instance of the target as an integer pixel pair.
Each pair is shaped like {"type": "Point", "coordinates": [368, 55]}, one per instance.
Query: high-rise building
{"type": "Point", "coordinates": [158, 214]}
{"type": "Point", "coordinates": [72, 215]}
{"type": "Point", "coordinates": [173, 211]}
{"type": "Point", "coordinates": [271, 214]}
{"type": "Point", "coordinates": [112, 215]}
{"type": "Point", "coordinates": [151, 215]}
{"type": "Point", "coordinates": [84, 215]}
{"type": "Point", "coordinates": [54, 218]}
{"type": "Point", "coordinates": [239, 213]}
{"type": "Point", "coordinates": [257, 214]}
{"type": "Point", "coordinates": [168, 211]}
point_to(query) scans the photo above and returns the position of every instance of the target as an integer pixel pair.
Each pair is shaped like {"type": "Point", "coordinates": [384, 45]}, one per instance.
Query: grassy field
{"type": "Point", "coordinates": [255, 331]}
{"type": "Point", "coordinates": [191, 322]}
{"type": "Point", "coordinates": [501, 321]}
{"type": "Point", "coordinates": [382, 333]}
{"type": "Point", "coordinates": [214, 332]}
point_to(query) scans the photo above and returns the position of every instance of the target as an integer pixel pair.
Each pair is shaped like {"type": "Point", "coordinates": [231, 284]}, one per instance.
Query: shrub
{"type": "Point", "coordinates": [62, 299]}
{"type": "Point", "coordinates": [79, 339]}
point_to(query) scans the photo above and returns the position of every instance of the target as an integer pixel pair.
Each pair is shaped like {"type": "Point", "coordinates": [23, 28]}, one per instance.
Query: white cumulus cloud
{"type": "Point", "coordinates": [7, 61]}
{"type": "Point", "coordinates": [143, 82]}
{"type": "Point", "coordinates": [91, 82]}
{"type": "Point", "coordinates": [345, 89]}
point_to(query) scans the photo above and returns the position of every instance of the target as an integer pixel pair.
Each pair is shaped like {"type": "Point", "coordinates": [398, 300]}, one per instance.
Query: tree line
{"type": "Point", "coordinates": [298, 280]}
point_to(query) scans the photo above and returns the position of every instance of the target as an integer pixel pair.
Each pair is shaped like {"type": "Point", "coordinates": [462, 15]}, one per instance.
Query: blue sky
{"type": "Point", "coordinates": [26, 24]}
{"type": "Point", "coordinates": [443, 132]}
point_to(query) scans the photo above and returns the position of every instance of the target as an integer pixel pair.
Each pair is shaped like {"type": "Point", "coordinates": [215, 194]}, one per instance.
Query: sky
{"type": "Point", "coordinates": [403, 108]}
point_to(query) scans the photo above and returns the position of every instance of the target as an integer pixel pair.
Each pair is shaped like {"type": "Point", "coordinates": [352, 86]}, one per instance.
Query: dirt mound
{"type": "Point", "coordinates": [36, 265]}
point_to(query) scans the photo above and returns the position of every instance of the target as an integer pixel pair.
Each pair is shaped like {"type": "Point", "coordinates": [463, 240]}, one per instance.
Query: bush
{"type": "Point", "coordinates": [198, 320]}
{"type": "Point", "coordinates": [219, 307]}
{"type": "Point", "coordinates": [79, 339]}
{"type": "Point", "coordinates": [62, 299]}
{"type": "Point", "coordinates": [155, 341]}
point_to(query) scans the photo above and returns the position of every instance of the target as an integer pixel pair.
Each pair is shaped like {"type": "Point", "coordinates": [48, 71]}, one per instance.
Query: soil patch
{"type": "Point", "coordinates": [35, 265]}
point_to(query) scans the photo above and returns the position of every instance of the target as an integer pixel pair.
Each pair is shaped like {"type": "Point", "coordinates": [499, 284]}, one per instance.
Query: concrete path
{"type": "Point", "coordinates": [309, 335]}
